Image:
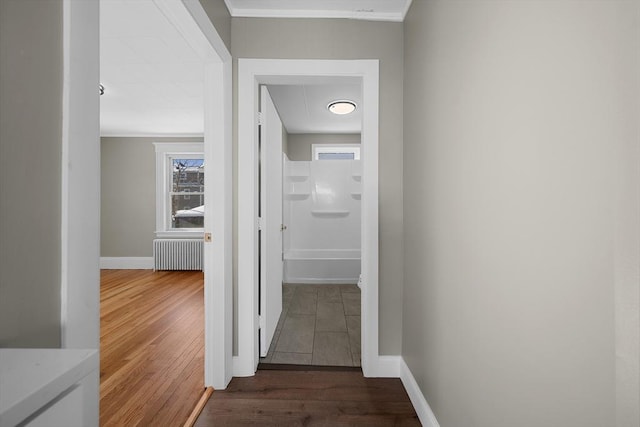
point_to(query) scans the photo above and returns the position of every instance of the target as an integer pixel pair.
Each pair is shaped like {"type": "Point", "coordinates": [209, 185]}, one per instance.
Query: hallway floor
{"type": "Point", "coordinates": [319, 325]}
{"type": "Point", "coordinates": [309, 398]}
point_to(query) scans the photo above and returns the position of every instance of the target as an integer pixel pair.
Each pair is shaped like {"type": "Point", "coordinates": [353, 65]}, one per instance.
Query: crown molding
{"type": "Point", "coordinates": [317, 14]}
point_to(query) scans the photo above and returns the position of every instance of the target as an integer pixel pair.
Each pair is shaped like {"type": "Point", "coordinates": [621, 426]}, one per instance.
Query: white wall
{"type": "Point", "coordinates": [521, 211]}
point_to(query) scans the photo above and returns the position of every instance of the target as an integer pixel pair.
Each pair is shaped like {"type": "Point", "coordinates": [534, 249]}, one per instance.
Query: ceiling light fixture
{"type": "Point", "coordinates": [342, 106]}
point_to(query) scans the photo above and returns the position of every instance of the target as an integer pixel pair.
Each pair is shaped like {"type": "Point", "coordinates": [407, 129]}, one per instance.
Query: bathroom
{"type": "Point", "coordinates": [321, 226]}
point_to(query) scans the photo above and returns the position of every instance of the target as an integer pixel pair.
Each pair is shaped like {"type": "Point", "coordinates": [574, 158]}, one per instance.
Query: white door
{"type": "Point", "coordinates": [271, 223]}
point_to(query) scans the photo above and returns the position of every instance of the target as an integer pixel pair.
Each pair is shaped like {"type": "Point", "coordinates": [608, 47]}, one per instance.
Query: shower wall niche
{"type": "Point", "coordinates": [321, 209]}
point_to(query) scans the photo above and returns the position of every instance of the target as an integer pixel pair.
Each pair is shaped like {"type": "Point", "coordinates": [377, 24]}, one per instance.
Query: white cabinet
{"type": "Point", "coordinates": [49, 387]}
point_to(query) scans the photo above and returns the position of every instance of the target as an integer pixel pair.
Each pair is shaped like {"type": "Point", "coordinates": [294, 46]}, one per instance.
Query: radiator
{"type": "Point", "coordinates": [177, 254]}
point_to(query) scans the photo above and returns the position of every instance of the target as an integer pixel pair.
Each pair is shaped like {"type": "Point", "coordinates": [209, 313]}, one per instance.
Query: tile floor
{"type": "Point", "coordinates": [319, 325]}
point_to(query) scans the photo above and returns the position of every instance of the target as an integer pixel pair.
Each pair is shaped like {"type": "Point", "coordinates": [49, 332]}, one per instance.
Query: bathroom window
{"type": "Point", "coordinates": [180, 173]}
{"type": "Point", "coordinates": [335, 152]}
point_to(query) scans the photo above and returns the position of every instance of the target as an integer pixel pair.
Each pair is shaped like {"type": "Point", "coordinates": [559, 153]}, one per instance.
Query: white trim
{"type": "Point", "coordinates": [192, 22]}
{"type": "Point", "coordinates": [251, 72]}
{"type": "Point", "coordinates": [152, 135]}
{"type": "Point", "coordinates": [218, 222]}
{"type": "Point", "coordinates": [315, 14]}
{"type": "Point", "coordinates": [419, 402]}
{"type": "Point", "coordinates": [242, 367]}
{"type": "Point", "coordinates": [247, 259]}
{"type": "Point", "coordinates": [165, 151]}
{"type": "Point", "coordinates": [179, 147]}
{"type": "Point", "coordinates": [335, 148]}
{"type": "Point", "coordinates": [80, 177]}
{"type": "Point", "coordinates": [288, 13]}
{"type": "Point", "coordinates": [126, 263]}
{"type": "Point", "coordinates": [211, 37]}
{"type": "Point", "coordinates": [370, 226]}
{"type": "Point", "coordinates": [202, 37]}
{"type": "Point", "coordinates": [389, 366]}
{"type": "Point", "coordinates": [308, 281]}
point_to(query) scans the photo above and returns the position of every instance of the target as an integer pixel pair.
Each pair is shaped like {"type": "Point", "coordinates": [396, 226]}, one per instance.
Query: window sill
{"type": "Point", "coordinates": [199, 234]}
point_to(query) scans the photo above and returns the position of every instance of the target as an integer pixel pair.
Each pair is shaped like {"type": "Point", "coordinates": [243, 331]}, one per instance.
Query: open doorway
{"type": "Point", "coordinates": [152, 176]}
{"type": "Point", "coordinates": [310, 244]}
{"type": "Point", "coordinates": [166, 82]}
{"type": "Point", "coordinates": [251, 74]}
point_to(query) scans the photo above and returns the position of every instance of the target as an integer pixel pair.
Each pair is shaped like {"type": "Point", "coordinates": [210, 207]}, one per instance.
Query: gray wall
{"type": "Point", "coordinates": [520, 128]}
{"type": "Point", "coordinates": [219, 15]}
{"type": "Point", "coordinates": [299, 144]}
{"type": "Point", "coordinates": [128, 183]}
{"type": "Point", "coordinates": [30, 155]}
{"type": "Point", "coordinates": [349, 39]}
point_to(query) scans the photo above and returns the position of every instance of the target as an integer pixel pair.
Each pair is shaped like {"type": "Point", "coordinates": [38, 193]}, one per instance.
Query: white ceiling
{"type": "Point", "coordinates": [153, 79]}
{"type": "Point", "coordinates": [303, 108]}
{"type": "Point", "coordinates": [377, 10]}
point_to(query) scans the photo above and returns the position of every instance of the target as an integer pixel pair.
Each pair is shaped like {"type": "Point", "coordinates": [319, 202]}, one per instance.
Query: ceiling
{"type": "Point", "coordinates": [153, 79]}
{"type": "Point", "coordinates": [376, 10]}
{"type": "Point", "coordinates": [303, 108]}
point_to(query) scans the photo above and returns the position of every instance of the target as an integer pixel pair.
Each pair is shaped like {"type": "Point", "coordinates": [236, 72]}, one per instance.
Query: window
{"type": "Point", "coordinates": [187, 179]}
{"type": "Point", "coordinates": [335, 152]}
{"type": "Point", "coordinates": [179, 189]}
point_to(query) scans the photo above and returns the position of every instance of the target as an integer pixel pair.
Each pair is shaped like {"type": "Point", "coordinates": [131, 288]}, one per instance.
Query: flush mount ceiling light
{"type": "Point", "coordinates": [342, 106]}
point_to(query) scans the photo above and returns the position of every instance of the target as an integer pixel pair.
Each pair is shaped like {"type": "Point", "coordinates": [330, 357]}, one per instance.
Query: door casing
{"type": "Point", "coordinates": [193, 23]}
{"type": "Point", "coordinates": [252, 73]}
{"type": "Point", "coordinates": [80, 280]}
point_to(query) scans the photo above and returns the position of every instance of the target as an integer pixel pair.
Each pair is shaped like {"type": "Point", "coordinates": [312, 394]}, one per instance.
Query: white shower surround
{"type": "Point", "coordinates": [311, 266]}
{"type": "Point", "coordinates": [321, 208]}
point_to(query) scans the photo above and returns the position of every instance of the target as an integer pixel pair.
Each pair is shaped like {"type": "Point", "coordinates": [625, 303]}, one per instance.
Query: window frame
{"type": "Point", "coordinates": [335, 148]}
{"type": "Point", "coordinates": [165, 153]}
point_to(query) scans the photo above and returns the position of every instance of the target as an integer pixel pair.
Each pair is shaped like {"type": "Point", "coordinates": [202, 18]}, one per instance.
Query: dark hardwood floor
{"type": "Point", "coordinates": [151, 347]}
{"type": "Point", "coordinates": [309, 398]}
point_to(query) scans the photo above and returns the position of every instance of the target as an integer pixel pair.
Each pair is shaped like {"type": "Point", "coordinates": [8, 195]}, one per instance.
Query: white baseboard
{"type": "Point", "coordinates": [309, 281]}
{"type": "Point", "coordinates": [243, 367]}
{"type": "Point", "coordinates": [388, 367]}
{"type": "Point", "coordinates": [425, 414]}
{"type": "Point", "coordinates": [126, 263]}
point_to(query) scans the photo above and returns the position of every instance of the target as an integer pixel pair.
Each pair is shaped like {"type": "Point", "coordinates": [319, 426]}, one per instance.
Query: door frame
{"type": "Point", "coordinates": [252, 73]}
{"type": "Point", "coordinates": [80, 235]}
{"type": "Point", "coordinates": [191, 20]}
{"type": "Point", "coordinates": [80, 177]}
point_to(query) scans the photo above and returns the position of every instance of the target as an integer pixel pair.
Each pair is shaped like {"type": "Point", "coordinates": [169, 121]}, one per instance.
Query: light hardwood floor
{"type": "Point", "coordinates": [151, 347]}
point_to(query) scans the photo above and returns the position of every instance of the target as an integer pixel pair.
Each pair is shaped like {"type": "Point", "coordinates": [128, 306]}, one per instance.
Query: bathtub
{"type": "Point", "coordinates": [322, 266]}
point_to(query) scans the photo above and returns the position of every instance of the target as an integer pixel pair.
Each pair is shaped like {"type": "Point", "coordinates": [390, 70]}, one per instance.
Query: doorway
{"type": "Point", "coordinates": [191, 22]}
{"type": "Point", "coordinates": [310, 235]}
{"type": "Point", "coordinates": [252, 73]}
